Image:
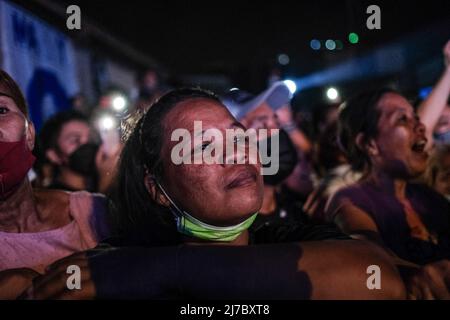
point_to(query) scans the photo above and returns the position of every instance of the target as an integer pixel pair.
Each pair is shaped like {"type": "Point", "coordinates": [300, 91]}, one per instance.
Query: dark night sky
{"type": "Point", "coordinates": [241, 39]}
{"type": "Point", "coordinates": [193, 36]}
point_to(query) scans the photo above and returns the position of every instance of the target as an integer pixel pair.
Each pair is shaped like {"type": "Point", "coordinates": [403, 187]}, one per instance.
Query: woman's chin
{"type": "Point", "coordinates": [244, 211]}
{"type": "Point", "coordinates": [416, 171]}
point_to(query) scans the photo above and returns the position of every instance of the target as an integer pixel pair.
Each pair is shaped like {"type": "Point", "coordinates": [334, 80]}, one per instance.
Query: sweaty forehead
{"type": "Point", "coordinates": [210, 112]}
{"type": "Point", "coordinates": [392, 102]}
{"type": "Point", "coordinates": [5, 97]}
{"type": "Point", "coordinates": [4, 91]}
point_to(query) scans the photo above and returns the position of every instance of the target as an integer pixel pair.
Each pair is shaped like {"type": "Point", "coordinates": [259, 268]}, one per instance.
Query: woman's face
{"type": "Point", "coordinates": [73, 134]}
{"type": "Point", "coordinates": [400, 144]}
{"type": "Point", "coordinates": [261, 118]}
{"type": "Point", "coordinates": [12, 121]}
{"type": "Point", "coordinates": [219, 194]}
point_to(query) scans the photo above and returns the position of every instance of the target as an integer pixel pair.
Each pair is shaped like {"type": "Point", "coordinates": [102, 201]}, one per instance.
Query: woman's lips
{"type": "Point", "coordinates": [242, 179]}
{"type": "Point", "coordinates": [419, 148]}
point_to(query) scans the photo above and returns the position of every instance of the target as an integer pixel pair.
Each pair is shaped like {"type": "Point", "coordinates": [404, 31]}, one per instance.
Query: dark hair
{"type": "Point", "coordinates": [357, 115]}
{"type": "Point", "coordinates": [51, 130]}
{"type": "Point", "coordinates": [135, 215]}
{"type": "Point", "coordinates": [319, 116]}
{"type": "Point", "coordinates": [14, 91]}
{"type": "Point", "coordinates": [327, 154]}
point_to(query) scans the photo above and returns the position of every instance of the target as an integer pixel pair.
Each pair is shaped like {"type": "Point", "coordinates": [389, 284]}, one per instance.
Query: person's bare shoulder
{"type": "Point", "coordinates": [342, 270]}
{"type": "Point", "coordinates": [53, 207]}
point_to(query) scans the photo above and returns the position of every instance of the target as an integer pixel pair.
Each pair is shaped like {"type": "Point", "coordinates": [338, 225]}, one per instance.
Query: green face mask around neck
{"type": "Point", "coordinates": [192, 227]}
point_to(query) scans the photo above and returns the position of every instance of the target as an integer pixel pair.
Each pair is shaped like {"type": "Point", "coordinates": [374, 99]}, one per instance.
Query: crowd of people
{"type": "Point", "coordinates": [370, 186]}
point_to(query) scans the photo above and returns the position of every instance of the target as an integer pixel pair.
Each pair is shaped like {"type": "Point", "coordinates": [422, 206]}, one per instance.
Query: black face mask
{"type": "Point", "coordinates": [82, 160]}
{"type": "Point", "coordinates": [287, 156]}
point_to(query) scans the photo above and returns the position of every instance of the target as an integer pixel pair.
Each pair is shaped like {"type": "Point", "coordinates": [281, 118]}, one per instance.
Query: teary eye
{"type": "Point", "coordinates": [3, 110]}
{"type": "Point", "coordinates": [205, 145]}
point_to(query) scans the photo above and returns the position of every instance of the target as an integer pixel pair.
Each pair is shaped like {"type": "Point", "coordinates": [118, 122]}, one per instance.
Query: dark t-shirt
{"type": "Point", "coordinates": [288, 211]}
{"type": "Point", "coordinates": [281, 232]}
{"type": "Point", "coordinates": [289, 223]}
{"type": "Point", "coordinates": [390, 218]}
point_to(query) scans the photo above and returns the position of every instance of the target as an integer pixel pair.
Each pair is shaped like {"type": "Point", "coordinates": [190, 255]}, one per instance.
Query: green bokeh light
{"type": "Point", "coordinates": [353, 38]}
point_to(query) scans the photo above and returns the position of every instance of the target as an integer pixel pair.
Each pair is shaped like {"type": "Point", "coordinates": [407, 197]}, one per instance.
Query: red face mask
{"type": "Point", "coordinates": [15, 162]}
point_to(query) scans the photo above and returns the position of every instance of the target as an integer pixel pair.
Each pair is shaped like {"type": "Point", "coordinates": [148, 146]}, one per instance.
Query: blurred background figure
{"type": "Point", "coordinates": [332, 172]}
{"type": "Point", "coordinates": [441, 132]}
{"type": "Point", "coordinates": [270, 110]}
{"type": "Point", "coordinates": [434, 111]}
{"type": "Point", "coordinates": [79, 103]}
{"type": "Point", "coordinates": [437, 175]}
{"type": "Point", "coordinates": [73, 148]}
{"type": "Point", "coordinates": [73, 167]}
{"type": "Point", "coordinates": [150, 88]}
{"type": "Point", "coordinates": [113, 100]}
{"type": "Point", "coordinates": [324, 115]}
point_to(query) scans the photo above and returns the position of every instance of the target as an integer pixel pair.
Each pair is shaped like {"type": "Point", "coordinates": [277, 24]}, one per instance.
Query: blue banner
{"type": "Point", "coordinates": [41, 60]}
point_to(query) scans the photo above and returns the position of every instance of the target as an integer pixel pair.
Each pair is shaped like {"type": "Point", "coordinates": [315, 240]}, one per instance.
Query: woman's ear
{"type": "Point", "coordinates": [369, 146]}
{"type": "Point", "coordinates": [30, 134]}
{"type": "Point", "coordinates": [372, 148]}
{"type": "Point", "coordinates": [153, 189]}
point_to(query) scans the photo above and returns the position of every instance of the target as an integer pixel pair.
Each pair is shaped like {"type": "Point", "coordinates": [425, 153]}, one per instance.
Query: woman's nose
{"type": "Point", "coordinates": [420, 127]}
{"type": "Point", "coordinates": [239, 154]}
{"type": "Point", "coordinates": [272, 123]}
